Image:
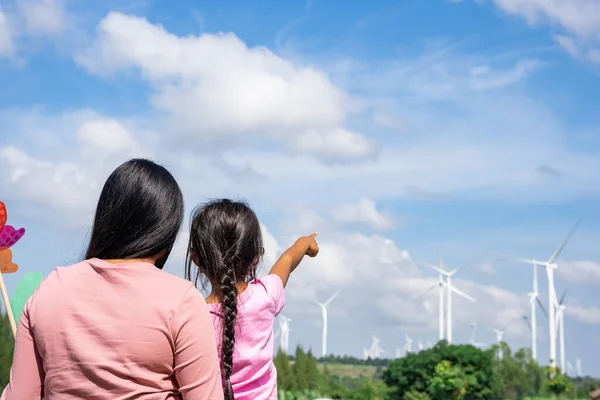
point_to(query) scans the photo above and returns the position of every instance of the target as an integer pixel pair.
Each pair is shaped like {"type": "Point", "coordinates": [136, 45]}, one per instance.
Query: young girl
{"type": "Point", "coordinates": [226, 245]}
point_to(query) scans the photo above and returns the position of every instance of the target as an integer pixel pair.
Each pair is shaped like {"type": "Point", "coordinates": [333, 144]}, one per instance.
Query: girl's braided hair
{"type": "Point", "coordinates": [226, 245]}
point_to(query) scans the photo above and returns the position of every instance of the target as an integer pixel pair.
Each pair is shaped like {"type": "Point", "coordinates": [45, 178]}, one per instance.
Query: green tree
{"type": "Point", "coordinates": [559, 384]}
{"type": "Point", "coordinates": [511, 372]}
{"type": "Point", "coordinates": [285, 377]}
{"type": "Point", "coordinates": [300, 369]}
{"type": "Point", "coordinates": [450, 382]}
{"type": "Point", "coordinates": [415, 395]}
{"type": "Point", "coordinates": [414, 372]}
{"type": "Point", "coordinates": [312, 371]}
{"type": "Point", "coordinates": [6, 350]}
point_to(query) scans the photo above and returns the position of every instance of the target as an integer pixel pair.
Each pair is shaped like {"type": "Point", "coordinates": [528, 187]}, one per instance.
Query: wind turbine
{"type": "Point", "coordinates": [440, 284]}
{"type": "Point", "coordinates": [561, 329]}
{"type": "Point", "coordinates": [578, 366]}
{"type": "Point", "coordinates": [376, 351]}
{"type": "Point", "coordinates": [551, 266]}
{"type": "Point", "coordinates": [499, 333]}
{"type": "Point", "coordinates": [420, 345]}
{"type": "Point", "coordinates": [570, 370]}
{"type": "Point", "coordinates": [407, 344]}
{"type": "Point", "coordinates": [366, 354]}
{"type": "Point", "coordinates": [324, 311]}
{"type": "Point", "coordinates": [284, 331]}
{"type": "Point", "coordinates": [398, 352]}
{"type": "Point", "coordinates": [533, 300]}
{"type": "Point", "coordinates": [449, 290]}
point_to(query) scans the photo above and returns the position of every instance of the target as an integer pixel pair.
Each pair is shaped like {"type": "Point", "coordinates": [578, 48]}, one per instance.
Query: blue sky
{"type": "Point", "coordinates": [401, 131]}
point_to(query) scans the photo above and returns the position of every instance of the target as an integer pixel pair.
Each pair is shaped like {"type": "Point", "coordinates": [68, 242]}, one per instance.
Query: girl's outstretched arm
{"type": "Point", "coordinates": [289, 260]}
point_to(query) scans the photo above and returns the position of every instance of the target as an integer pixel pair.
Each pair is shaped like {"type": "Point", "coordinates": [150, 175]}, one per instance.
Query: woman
{"type": "Point", "coordinates": [116, 326]}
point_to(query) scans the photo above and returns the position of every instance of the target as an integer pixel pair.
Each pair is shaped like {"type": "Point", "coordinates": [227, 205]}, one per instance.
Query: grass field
{"type": "Point", "coordinates": [352, 371]}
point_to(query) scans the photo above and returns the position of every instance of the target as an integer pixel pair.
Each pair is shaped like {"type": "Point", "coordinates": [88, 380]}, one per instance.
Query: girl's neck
{"type": "Point", "coordinates": [213, 299]}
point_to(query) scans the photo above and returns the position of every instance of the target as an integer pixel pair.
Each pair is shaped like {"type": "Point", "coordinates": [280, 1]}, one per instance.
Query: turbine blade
{"type": "Point", "coordinates": [420, 293]}
{"type": "Point", "coordinates": [564, 243]}
{"type": "Point", "coordinates": [463, 294]}
{"type": "Point", "coordinates": [332, 297]}
{"type": "Point", "coordinates": [527, 321]}
{"type": "Point", "coordinates": [441, 271]}
{"type": "Point", "coordinates": [470, 262]}
{"type": "Point", "coordinates": [542, 307]}
{"type": "Point", "coordinates": [562, 298]}
{"type": "Point", "coordinates": [530, 261]}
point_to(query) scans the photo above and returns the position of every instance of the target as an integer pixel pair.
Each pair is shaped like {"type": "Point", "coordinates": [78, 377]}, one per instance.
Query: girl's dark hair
{"type": "Point", "coordinates": [139, 214]}
{"type": "Point", "coordinates": [226, 245]}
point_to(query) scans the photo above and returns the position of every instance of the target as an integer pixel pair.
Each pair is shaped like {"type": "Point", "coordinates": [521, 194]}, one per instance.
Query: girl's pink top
{"type": "Point", "coordinates": [254, 376]}
{"type": "Point", "coordinates": [102, 331]}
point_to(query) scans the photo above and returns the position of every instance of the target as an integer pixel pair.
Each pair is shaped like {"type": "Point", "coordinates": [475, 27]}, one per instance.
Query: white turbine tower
{"type": "Point", "coordinates": [324, 311]}
{"type": "Point", "coordinates": [449, 290]}
{"type": "Point", "coordinates": [570, 371]}
{"type": "Point", "coordinates": [284, 332]}
{"type": "Point", "coordinates": [366, 354]}
{"type": "Point", "coordinates": [398, 352]}
{"type": "Point", "coordinates": [407, 344]}
{"type": "Point", "coordinates": [578, 366]}
{"type": "Point", "coordinates": [440, 285]}
{"type": "Point", "coordinates": [560, 320]}
{"type": "Point", "coordinates": [533, 300]}
{"type": "Point", "coordinates": [420, 345]}
{"type": "Point", "coordinates": [551, 266]}
{"type": "Point", "coordinates": [376, 351]}
{"type": "Point", "coordinates": [499, 333]}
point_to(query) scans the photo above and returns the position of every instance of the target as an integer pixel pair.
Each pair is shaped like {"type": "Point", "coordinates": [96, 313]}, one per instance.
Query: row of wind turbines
{"type": "Point", "coordinates": [445, 287]}
{"type": "Point", "coordinates": [555, 315]}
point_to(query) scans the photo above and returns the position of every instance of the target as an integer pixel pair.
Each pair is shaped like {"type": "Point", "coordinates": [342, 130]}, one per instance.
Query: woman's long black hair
{"type": "Point", "coordinates": [226, 245]}
{"type": "Point", "coordinates": [139, 214]}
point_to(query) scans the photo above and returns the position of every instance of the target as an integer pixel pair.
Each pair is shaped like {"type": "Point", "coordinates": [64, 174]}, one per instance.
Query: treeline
{"type": "Point", "coordinates": [349, 360]}
{"type": "Point", "coordinates": [303, 378]}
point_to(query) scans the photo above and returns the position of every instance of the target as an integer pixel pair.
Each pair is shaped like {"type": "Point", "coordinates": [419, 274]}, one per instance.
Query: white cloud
{"type": "Point", "coordinates": [581, 272]}
{"type": "Point", "coordinates": [578, 49]}
{"type": "Point", "coordinates": [43, 17]}
{"type": "Point", "coordinates": [484, 78]}
{"type": "Point", "coordinates": [587, 315]}
{"type": "Point", "coordinates": [338, 144]}
{"type": "Point", "coordinates": [272, 249]}
{"type": "Point", "coordinates": [487, 268]}
{"type": "Point", "coordinates": [7, 46]}
{"type": "Point", "coordinates": [68, 186]}
{"type": "Point", "coordinates": [363, 212]}
{"type": "Point", "coordinates": [579, 18]}
{"type": "Point", "coordinates": [106, 138]}
{"type": "Point", "coordinates": [387, 120]}
{"type": "Point", "coordinates": [216, 85]}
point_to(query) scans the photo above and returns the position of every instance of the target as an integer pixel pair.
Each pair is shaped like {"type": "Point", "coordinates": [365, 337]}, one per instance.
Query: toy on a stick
{"type": "Point", "coordinates": [8, 237]}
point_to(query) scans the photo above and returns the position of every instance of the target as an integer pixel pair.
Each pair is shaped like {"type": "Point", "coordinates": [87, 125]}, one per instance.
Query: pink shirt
{"type": "Point", "coordinates": [101, 331]}
{"type": "Point", "coordinates": [254, 376]}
